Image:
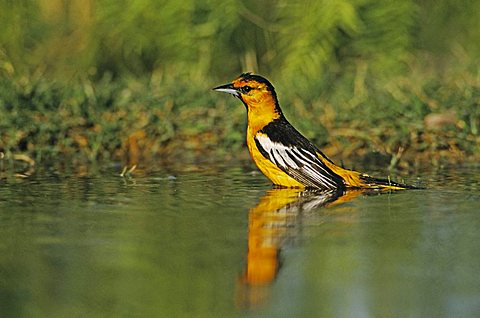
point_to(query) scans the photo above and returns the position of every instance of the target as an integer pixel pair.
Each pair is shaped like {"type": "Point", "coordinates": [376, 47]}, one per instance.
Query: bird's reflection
{"type": "Point", "coordinates": [273, 222]}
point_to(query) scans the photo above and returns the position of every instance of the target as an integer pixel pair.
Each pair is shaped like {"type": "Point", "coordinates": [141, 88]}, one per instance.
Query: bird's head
{"type": "Point", "coordinates": [255, 91]}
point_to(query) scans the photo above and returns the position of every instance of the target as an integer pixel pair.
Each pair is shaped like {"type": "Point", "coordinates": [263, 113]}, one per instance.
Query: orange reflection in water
{"type": "Point", "coordinates": [271, 223]}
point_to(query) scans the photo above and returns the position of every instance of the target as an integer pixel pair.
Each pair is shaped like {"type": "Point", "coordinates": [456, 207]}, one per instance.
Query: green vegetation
{"type": "Point", "coordinates": [130, 81]}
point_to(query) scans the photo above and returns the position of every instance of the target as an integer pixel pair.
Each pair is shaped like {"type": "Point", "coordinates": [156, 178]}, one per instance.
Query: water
{"type": "Point", "coordinates": [218, 241]}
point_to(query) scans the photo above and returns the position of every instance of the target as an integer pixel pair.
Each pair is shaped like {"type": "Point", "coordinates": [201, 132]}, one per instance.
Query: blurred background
{"type": "Point", "coordinates": [396, 81]}
{"type": "Point", "coordinates": [88, 87]}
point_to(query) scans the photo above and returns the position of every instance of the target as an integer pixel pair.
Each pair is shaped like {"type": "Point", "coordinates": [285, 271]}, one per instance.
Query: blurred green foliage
{"type": "Point", "coordinates": [202, 38]}
{"type": "Point", "coordinates": [128, 79]}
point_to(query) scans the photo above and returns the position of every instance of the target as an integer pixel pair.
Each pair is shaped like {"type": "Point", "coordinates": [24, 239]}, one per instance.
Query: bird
{"type": "Point", "coordinates": [282, 153]}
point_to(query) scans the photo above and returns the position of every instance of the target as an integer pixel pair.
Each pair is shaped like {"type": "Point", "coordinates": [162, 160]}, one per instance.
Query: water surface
{"type": "Point", "coordinates": [218, 241]}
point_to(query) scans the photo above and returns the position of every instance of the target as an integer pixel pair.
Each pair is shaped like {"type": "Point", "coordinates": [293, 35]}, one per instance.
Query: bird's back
{"type": "Point", "coordinates": [296, 157]}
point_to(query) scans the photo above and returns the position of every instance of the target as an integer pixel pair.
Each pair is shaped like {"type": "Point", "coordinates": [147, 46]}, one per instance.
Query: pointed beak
{"type": "Point", "coordinates": [227, 88]}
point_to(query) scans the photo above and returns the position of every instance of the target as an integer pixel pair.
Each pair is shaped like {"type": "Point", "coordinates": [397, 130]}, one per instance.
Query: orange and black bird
{"type": "Point", "coordinates": [282, 153]}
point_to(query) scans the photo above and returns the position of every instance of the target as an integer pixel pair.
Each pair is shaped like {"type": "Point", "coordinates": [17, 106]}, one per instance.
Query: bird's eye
{"type": "Point", "coordinates": [246, 89]}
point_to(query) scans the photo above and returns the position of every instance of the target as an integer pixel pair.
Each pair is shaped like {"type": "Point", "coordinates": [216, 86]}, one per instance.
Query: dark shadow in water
{"type": "Point", "coordinates": [273, 222]}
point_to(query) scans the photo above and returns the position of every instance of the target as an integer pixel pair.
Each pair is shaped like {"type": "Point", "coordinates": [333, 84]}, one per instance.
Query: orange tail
{"type": "Point", "coordinates": [356, 179]}
{"type": "Point", "coordinates": [387, 184]}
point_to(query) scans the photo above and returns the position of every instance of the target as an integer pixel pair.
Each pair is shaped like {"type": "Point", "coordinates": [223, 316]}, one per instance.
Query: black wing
{"type": "Point", "coordinates": [301, 164]}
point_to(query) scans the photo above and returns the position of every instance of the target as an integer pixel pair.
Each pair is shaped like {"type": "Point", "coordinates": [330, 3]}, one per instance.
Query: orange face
{"type": "Point", "coordinates": [253, 90]}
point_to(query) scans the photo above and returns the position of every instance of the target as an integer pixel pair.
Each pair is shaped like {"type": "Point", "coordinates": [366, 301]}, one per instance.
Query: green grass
{"type": "Point", "coordinates": [135, 121]}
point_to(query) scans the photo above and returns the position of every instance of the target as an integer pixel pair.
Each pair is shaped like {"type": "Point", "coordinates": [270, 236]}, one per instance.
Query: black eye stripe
{"type": "Point", "coordinates": [245, 89]}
